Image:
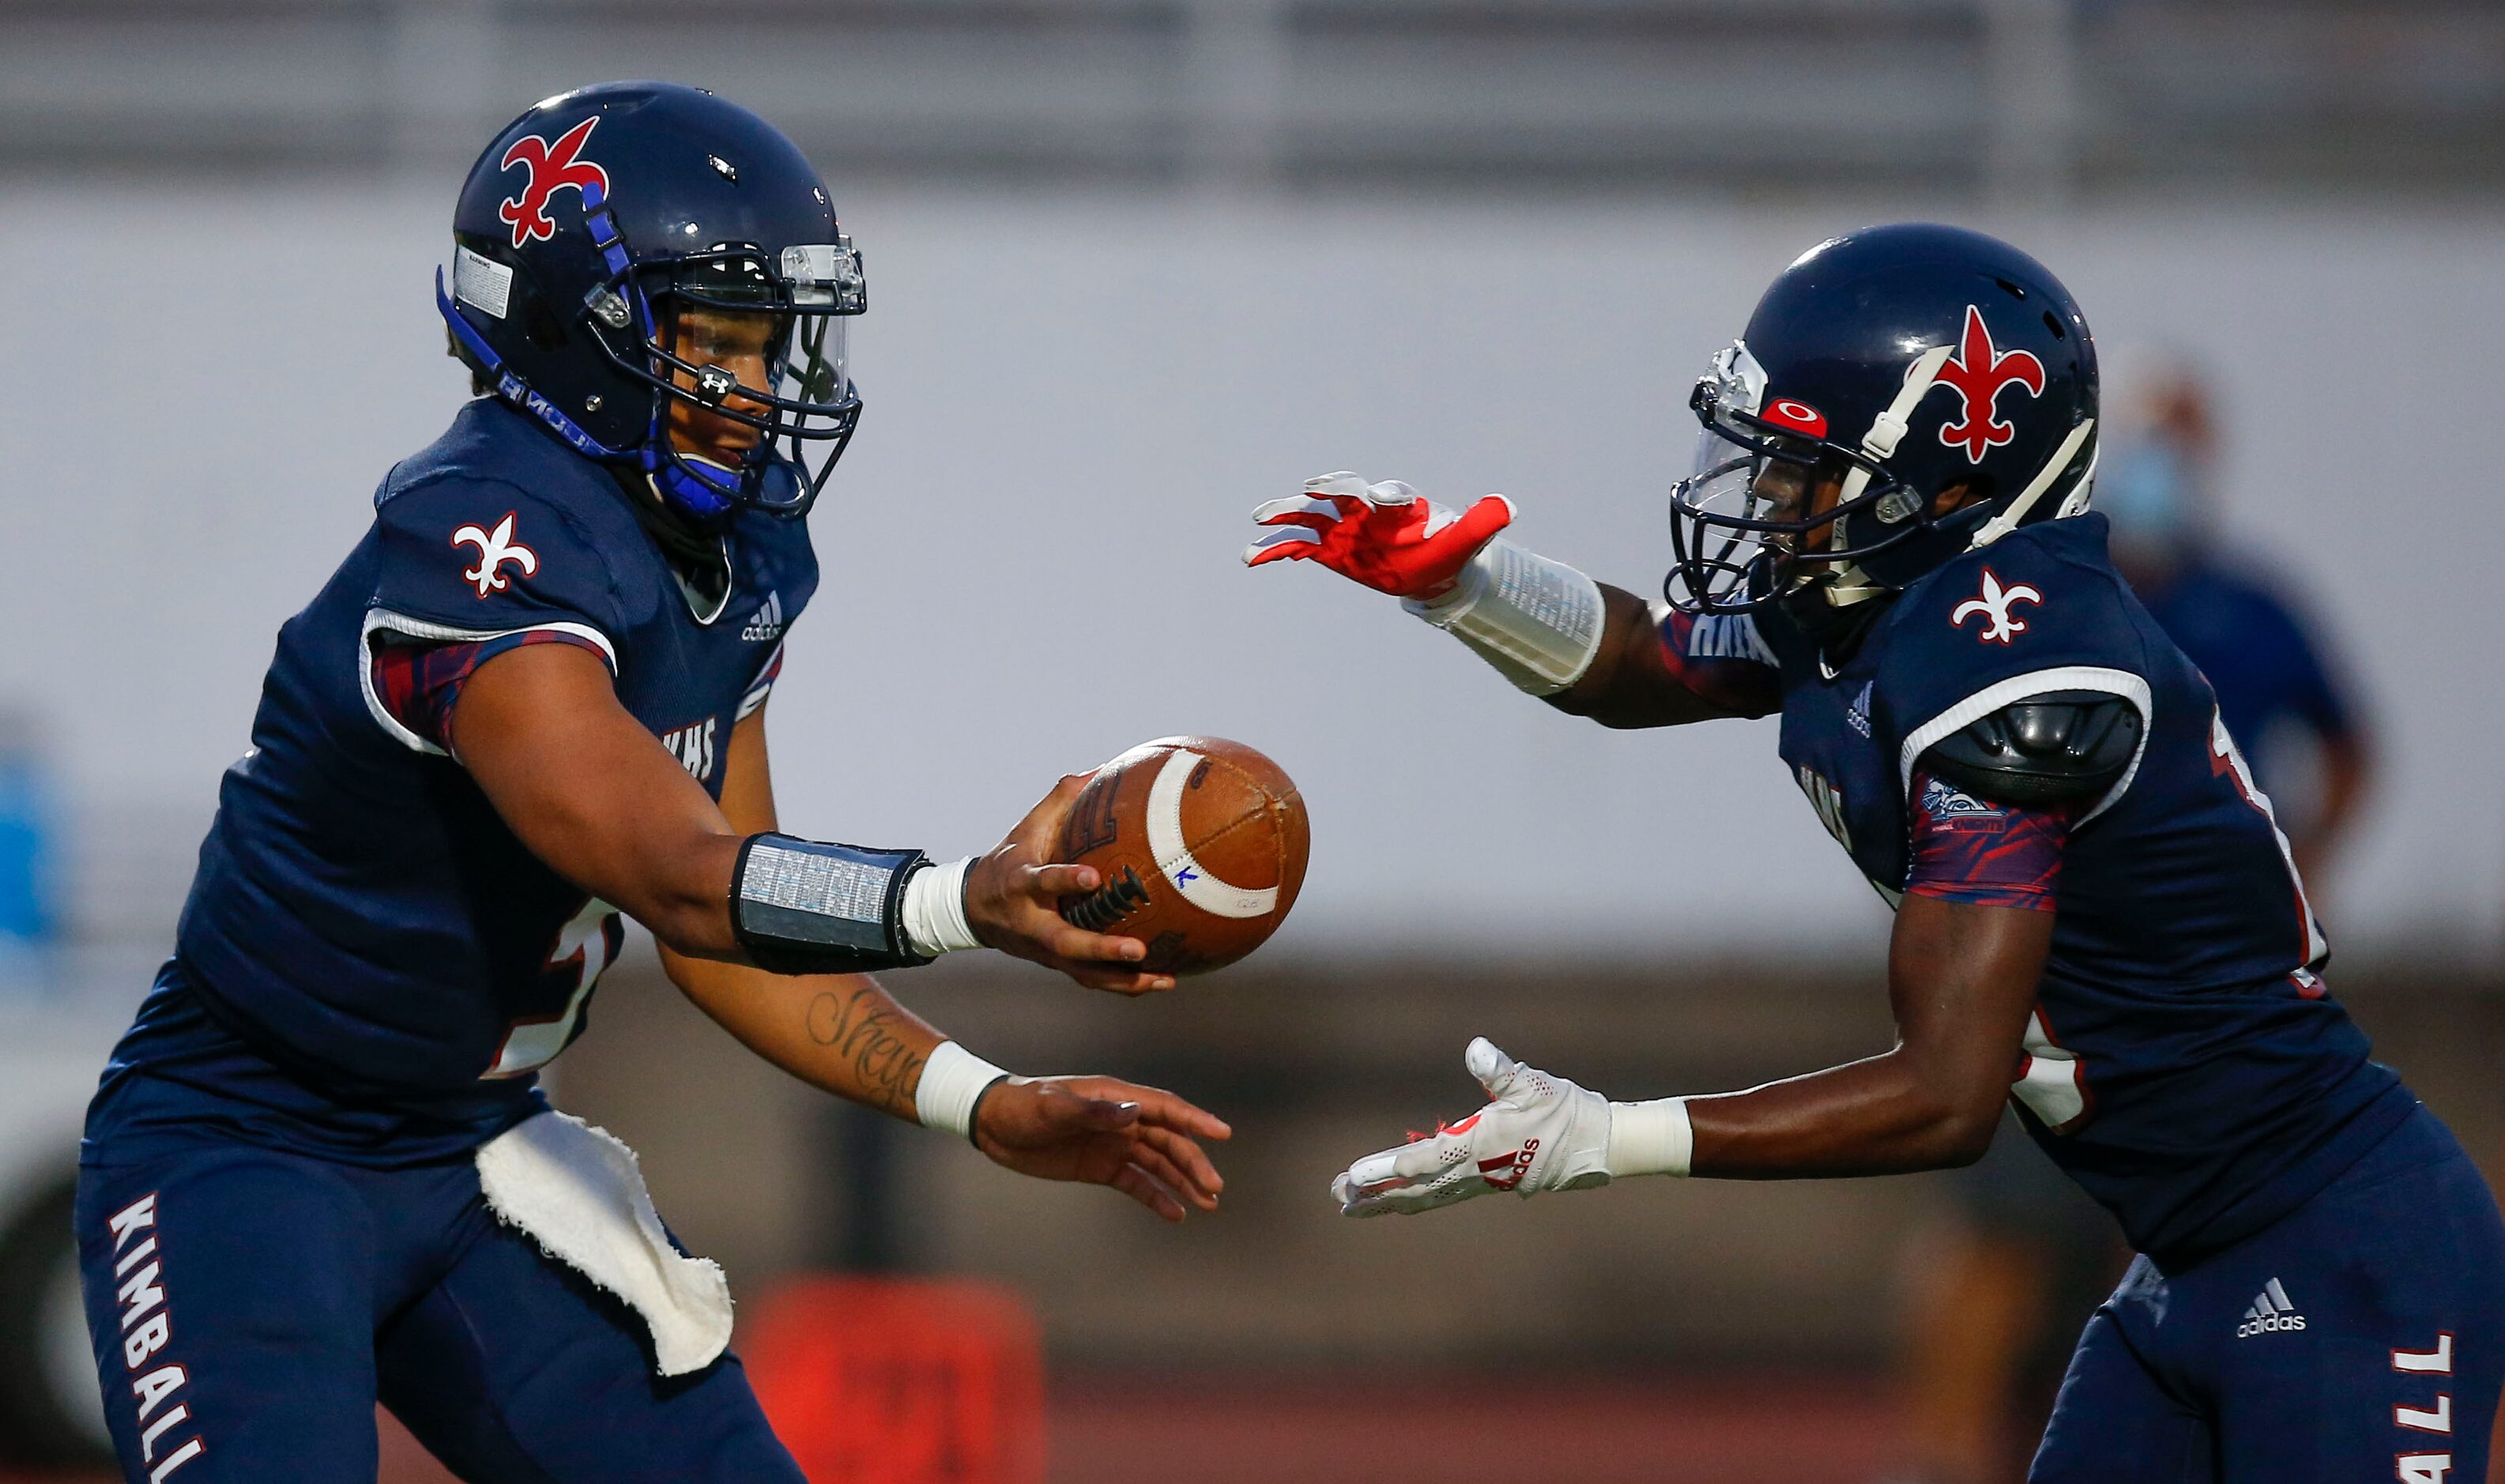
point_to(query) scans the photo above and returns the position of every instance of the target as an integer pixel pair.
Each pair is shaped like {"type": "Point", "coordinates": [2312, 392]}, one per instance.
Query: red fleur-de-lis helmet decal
{"type": "Point", "coordinates": [1977, 373]}
{"type": "Point", "coordinates": [553, 168]}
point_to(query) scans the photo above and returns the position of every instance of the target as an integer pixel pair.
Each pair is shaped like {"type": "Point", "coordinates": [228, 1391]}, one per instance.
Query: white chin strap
{"type": "Point", "coordinates": [1852, 584]}
{"type": "Point", "coordinates": [2007, 521]}
{"type": "Point", "coordinates": [1889, 430]}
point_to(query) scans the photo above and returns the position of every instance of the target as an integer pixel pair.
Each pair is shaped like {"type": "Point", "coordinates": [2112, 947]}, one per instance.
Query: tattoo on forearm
{"type": "Point", "coordinates": [861, 1028]}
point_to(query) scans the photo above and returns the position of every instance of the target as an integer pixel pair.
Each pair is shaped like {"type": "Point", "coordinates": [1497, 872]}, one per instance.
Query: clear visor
{"type": "Point", "coordinates": [815, 367]}
{"type": "Point", "coordinates": [1774, 480]}
{"type": "Point", "coordinates": [734, 360]}
{"type": "Point", "coordinates": [723, 433]}
{"type": "Point", "coordinates": [778, 326]}
{"type": "Point", "coordinates": [1747, 508]}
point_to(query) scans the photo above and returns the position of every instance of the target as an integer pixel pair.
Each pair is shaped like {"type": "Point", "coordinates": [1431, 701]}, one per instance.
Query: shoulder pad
{"type": "Point", "coordinates": [2055, 748]}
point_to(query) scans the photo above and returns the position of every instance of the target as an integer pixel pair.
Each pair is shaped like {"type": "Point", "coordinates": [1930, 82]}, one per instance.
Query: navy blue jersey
{"type": "Point", "coordinates": [362, 918]}
{"type": "Point", "coordinates": [2185, 1064]}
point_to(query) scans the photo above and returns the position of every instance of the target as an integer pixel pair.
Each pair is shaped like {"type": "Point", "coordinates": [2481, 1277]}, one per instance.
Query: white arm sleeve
{"type": "Point", "coordinates": [1538, 622]}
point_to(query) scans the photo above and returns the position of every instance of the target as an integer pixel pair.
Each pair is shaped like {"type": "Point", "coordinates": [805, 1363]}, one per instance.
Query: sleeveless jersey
{"type": "Point", "coordinates": [361, 920]}
{"type": "Point", "coordinates": [2185, 1063]}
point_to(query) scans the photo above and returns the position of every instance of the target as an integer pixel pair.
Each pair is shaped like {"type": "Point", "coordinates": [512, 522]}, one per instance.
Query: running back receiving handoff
{"type": "Point", "coordinates": [1887, 539]}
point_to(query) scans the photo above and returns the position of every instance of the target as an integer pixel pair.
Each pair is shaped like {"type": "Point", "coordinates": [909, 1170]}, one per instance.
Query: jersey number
{"type": "Point", "coordinates": [585, 947]}
{"type": "Point", "coordinates": [2224, 759]}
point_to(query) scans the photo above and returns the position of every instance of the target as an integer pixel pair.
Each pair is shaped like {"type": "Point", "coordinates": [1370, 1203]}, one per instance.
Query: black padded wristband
{"type": "Point", "coordinates": [808, 907]}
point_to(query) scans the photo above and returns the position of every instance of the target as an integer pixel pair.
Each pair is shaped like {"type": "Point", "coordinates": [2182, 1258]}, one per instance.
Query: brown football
{"type": "Point", "coordinates": [1201, 843]}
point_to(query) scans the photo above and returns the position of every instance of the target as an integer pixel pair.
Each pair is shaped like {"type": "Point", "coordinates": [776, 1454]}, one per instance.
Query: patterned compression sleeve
{"type": "Point", "coordinates": [419, 683]}
{"type": "Point", "coordinates": [1985, 854]}
{"type": "Point", "coordinates": [1723, 660]}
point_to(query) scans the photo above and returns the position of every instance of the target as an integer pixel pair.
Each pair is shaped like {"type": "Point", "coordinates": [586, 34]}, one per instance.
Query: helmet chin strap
{"type": "Point", "coordinates": [680, 481]}
{"type": "Point", "coordinates": [2007, 521]}
{"type": "Point", "coordinates": [1852, 584]}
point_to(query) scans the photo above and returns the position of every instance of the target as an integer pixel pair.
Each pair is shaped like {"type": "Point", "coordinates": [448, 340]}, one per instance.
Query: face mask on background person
{"type": "Point", "coordinates": [2146, 491]}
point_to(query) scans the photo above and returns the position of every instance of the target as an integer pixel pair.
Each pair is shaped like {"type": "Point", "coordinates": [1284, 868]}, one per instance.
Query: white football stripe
{"type": "Point", "coordinates": [1173, 857]}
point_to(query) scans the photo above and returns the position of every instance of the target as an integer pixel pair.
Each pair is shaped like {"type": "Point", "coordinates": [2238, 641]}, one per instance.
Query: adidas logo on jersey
{"type": "Point", "coordinates": [1857, 714]}
{"type": "Point", "coordinates": [768, 622]}
{"type": "Point", "coordinates": [2272, 1313]}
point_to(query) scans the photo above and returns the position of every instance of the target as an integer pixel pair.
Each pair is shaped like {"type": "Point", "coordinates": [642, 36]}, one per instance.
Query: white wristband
{"type": "Point", "coordinates": [953, 1081]}
{"type": "Point", "coordinates": [1648, 1138]}
{"type": "Point", "coordinates": [933, 917]}
{"type": "Point", "coordinates": [1538, 622]}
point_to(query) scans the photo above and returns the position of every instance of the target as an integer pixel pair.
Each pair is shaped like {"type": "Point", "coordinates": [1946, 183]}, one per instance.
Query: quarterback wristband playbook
{"type": "Point", "coordinates": [1536, 621]}
{"type": "Point", "coordinates": [806, 906]}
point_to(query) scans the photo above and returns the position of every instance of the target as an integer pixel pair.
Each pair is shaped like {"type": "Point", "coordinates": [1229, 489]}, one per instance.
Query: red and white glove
{"type": "Point", "coordinates": [1382, 535]}
{"type": "Point", "coordinates": [1540, 1133]}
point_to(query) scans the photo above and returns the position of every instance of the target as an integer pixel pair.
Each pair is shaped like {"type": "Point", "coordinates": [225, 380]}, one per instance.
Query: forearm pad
{"type": "Point", "coordinates": [805, 907]}
{"type": "Point", "coordinates": [1538, 622]}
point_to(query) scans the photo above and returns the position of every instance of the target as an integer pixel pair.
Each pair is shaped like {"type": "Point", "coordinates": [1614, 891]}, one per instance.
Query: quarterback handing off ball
{"type": "Point", "coordinates": [1201, 843]}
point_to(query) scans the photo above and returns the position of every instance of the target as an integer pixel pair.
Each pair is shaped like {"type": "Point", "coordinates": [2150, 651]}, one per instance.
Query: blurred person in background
{"type": "Point", "coordinates": [1996, 1295]}
{"type": "Point", "coordinates": [2284, 699]}
{"type": "Point", "coordinates": [29, 835]}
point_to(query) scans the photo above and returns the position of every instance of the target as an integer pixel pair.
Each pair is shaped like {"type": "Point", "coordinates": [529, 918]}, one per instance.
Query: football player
{"type": "Point", "coordinates": [1887, 540]}
{"type": "Point", "coordinates": [319, 1170]}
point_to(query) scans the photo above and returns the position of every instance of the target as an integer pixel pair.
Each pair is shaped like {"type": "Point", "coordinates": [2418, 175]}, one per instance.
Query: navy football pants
{"type": "Point", "coordinates": [263, 1301]}
{"type": "Point", "coordinates": [2360, 1338]}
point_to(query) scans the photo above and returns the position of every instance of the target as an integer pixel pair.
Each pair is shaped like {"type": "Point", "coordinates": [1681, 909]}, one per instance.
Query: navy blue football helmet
{"type": "Point", "coordinates": [585, 230]}
{"type": "Point", "coordinates": [1903, 394]}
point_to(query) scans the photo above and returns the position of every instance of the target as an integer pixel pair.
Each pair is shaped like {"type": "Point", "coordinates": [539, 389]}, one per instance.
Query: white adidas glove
{"type": "Point", "coordinates": [1542, 1133]}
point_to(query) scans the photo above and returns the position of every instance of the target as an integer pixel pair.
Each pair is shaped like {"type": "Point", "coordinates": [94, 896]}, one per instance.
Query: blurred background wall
{"type": "Point", "coordinates": [1138, 264]}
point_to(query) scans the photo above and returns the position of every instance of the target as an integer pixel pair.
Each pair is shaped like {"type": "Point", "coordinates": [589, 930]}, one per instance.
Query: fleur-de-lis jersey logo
{"type": "Point", "coordinates": [1999, 625]}
{"type": "Point", "coordinates": [553, 168]}
{"type": "Point", "coordinates": [1977, 373]}
{"type": "Point", "coordinates": [495, 548]}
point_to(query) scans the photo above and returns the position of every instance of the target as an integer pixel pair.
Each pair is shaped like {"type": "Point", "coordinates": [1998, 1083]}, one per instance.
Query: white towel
{"type": "Point", "coordinates": [580, 1194]}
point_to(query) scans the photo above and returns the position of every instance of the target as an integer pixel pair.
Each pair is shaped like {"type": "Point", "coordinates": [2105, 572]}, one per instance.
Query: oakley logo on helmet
{"type": "Point", "coordinates": [495, 548]}
{"type": "Point", "coordinates": [1799, 416]}
{"type": "Point", "coordinates": [553, 168]}
{"type": "Point", "coordinates": [1999, 625]}
{"type": "Point", "coordinates": [1977, 373]}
